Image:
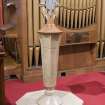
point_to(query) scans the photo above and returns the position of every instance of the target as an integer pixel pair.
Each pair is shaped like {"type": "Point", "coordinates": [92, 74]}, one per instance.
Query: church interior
{"type": "Point", "coordinates": [81, 60]}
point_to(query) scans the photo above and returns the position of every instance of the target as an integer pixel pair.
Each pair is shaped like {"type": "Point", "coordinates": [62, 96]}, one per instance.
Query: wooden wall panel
{"type": "Point", "coordinates": [75, 55]}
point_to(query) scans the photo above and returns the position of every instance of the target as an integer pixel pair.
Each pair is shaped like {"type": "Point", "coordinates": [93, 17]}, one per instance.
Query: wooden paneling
{"type": "Point", "coordinates": [80, 36]}
{"type": "Point", "coordinates": [74, 56]}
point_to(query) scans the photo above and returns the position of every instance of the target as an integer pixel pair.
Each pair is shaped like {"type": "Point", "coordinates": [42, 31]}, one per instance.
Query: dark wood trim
{"type": "Point", "coordinates": [1, 76]}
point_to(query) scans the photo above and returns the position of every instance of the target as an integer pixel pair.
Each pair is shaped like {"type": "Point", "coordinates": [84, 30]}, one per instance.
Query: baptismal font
{"type": "Point", "coordinates": [50, 40]}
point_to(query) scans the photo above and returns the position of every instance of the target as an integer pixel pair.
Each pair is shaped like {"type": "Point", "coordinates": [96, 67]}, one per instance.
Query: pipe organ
{"type": "Point", "coordinates": [77, 14]}
{"type": "Point", "coordinates": [100, 46]}
{"type": "Point", "coordinates": [83, 26]}
{"type": "Point", "coordinates": [72, 15]}
{"type": "Point", "coordinates": [32, 36]}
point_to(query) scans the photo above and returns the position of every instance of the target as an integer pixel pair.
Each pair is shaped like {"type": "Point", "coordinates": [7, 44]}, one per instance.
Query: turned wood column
{"type": "Point", "coordinates": [1, 76]}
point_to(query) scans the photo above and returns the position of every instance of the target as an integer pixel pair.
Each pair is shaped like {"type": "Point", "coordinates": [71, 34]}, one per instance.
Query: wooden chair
{"type": "Point", "coordinates": [11, 41]}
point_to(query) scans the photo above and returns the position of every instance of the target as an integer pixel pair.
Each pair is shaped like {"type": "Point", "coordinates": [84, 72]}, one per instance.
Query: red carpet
{"type": "Point", "coordinates": [90, 87]}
